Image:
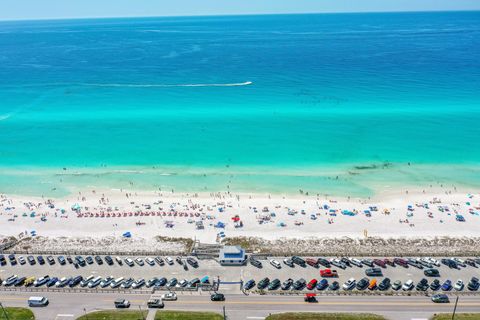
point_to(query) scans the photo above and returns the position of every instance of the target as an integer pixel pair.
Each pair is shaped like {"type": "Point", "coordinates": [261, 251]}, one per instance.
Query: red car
{"type": "Point", "coordinates": [312, 284]}
{"type": "Point", "coordinates": [328, 273]}
{"type": "Point", "coordinates": [389, 262]}
{"type": "Point", "coordinates": [312, 262]}
{"type": "Point", "coordinates": [401, 262]}
{"type": "Point", "coordinates": [380, 263]}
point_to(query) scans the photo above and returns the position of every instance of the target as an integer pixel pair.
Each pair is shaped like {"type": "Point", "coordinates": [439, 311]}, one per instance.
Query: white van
{"type": "Point", "coordinates": [117, 282]}
{"type": "Point", "coordinates": [37, 302]}
{"type": "Point", "coordinates": [94, 282]}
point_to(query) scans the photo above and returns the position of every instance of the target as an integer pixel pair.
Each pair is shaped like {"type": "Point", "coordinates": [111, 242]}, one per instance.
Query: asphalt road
{"type": "Point", "coordinates": [69, 306]}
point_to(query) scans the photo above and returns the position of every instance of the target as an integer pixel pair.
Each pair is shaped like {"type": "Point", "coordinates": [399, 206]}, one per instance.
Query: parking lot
{"type": "Point", "coordinates": [230, 276]}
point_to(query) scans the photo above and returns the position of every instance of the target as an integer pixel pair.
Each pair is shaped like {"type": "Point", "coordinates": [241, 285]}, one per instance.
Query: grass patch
{"type": "Point", "coordinates": [323, 316]}
{"type": "Point", "coordinates": [17, 314]}
{"type": "Point", "coordinates": [458, 316]}
{"type": "Point", "coordinates": [115, 315]}
{"type": "Point", "coordinates": [187, 315]}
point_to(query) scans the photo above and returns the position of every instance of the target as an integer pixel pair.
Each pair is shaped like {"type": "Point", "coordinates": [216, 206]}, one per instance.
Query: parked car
{"type": "Point", "coordinates": [384, 284]}
{"type": "Point", "coordinates": [435, 285]}
{"type": "Point", "coordinates": [287, 284]}
{"type": "Point", "coordinates": [373, 284]}
{"type": "Point", "coordinates": [356, 262]}
{"type": "Point", "coordinates": [12, 259]}
{"type": "Point", "coordinates": [151, 282]}
{"type": "Point", "coordinates": [380, 263]}
{"type": "Point", "coordinates": [256, 263]}
{"type": "Point", "coordinates": [109, 260]}
{"type": "Point", "coordinates": [127, 283]}
{"type": "Point", "coordinates": [51, 282]}
{"type": "Point", "coordinates": [473, 284]}
{"type": "Point", "coordinates": [312, 262]}
{"type": "Point", "coordinates": [373, 272]}
{"type": "Point", "coordinates": [275, 263]}
{"type": "Point", "coordinates": [367, 262]}
{"type": "Point", "coordinates": [408, 285]}
{"type": "Point", "coordinates": [363, 284]}
{"type": "Point", "coordinates": [328, 273]}
{"type": "Point", "coordinates": [298, 261]}
{"type": "Point", "coordinates": [150, 261]}
{"type": "Point", "coordinates": [191, 261]}
{"type": "Point", "coordinates": [169, 260]}
{"type": "Point", "coordinates": [140, 262]}
{"type": "Point", "coordinates": [288, 262]}
{"type": "Point", "coordinates": [40, 260]}
{"type": "Point", "coordinates": [99, 260]}
{"type": "Point", "coordinates": [249, 284]}
{"type": "Point", "coordinates": [61, 260]}
{"type": "Point", "coordinates": [431, 272]}
{"type": "Point", "coordinates": [159, 261]}
{"type": "Point", "coordinates": [349, 284]}
{"type": "Point", "coordinates": [401, 262]}
{"type": "Point", "coordinates": [31, 260]}
{"type": "Point", "coordinates": [324, 262]}
{"type": "Point", "coordinates": [459, 285]}
{"type": "Point", "coordinates": [138, 283]}
{"type": "Point", "coordinates": [129, 262]}
{"type": "Point", "coordinates": [338, 263]}
{"type": "Point", "coordinates": [50, 260]}
{"type": "Point", "coordinates": [262, 284]}
{"type": "Point", "coordinates": [334, 286]}
{"type": "Point", "coordinates": [89, 260]}
{"type": "Point", "coordinates": [75, 281]}
{"type": "Point", "coordinates": [274, 284]}
{"type": "Point", "coordinates": [41, 281]}
{"type": "Point", "coordinates": [172, 282]}
{"type": "Point", "coordinates": [312, 284]}
{"type": "Point", "coordinates": [322, 284]}
{"type": "Point", "coordinates": [422, 285]}
{"type": "Point", "coordinates": [299, 284]}
{"type": "Point", "coordinates": [397, 285]}
{"type": "Point", "coordinates": [447, 285]}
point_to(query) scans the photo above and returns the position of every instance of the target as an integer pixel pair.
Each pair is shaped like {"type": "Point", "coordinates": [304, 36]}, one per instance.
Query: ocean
{"type": "Point", "coordinates": [342, 104]}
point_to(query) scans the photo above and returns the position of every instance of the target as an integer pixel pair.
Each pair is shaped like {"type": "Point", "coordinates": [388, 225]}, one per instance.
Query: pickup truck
{"type": "Point", "coordinates": [328, 273]}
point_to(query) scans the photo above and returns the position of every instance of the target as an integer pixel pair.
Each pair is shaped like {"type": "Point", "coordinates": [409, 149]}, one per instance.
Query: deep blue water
{"type": "Point", "coordinates": [255, 103]}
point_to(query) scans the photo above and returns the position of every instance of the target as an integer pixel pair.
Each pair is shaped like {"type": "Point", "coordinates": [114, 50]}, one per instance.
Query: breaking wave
{"type": "Point", "coordinates": [246, 83]}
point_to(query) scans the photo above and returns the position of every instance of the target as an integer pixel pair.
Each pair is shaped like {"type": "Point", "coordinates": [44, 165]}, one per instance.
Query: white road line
{"type": "Point", "coordinates": [261, 318]}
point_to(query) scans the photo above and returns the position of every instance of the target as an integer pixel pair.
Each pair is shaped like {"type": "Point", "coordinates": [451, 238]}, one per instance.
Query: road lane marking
{"type": "Point", "coordinates": [64, 315]}
{"type": "Point", "coordinates": [261, 318]}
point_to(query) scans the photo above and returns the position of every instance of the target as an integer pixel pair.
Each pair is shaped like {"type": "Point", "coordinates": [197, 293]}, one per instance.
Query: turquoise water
{"type": "Point", "coordinates": [335, 103]}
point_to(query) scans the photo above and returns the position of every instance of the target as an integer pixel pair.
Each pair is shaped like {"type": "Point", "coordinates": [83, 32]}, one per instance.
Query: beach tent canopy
{"type": "Point", "coordinates": [220, 225]}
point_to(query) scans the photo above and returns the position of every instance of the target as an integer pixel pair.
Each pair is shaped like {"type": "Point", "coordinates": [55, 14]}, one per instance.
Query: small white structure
{"type": "Point", "coordinates": [232, 256]}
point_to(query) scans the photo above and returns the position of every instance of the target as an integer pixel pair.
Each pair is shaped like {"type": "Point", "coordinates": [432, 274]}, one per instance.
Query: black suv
{"type": "Point", "coordinates": [256, 263]}
{"type": "Point", "coordinates": [299, 261]}
{"type": "Point", "coordinates": [431, 273]}
{"type": "Point", "coordinates": [262, 284]}
{"type": "Point", "coordinates": [363, 284]}
{"type": "Point", "coordinates": [217, 297]}
{"type": "Point", "coordinates": [384, 284]}
{"type": "Point", "coordinates": [274, 284]}
{"type": "Point", "coordinates": [422, 285]}
{"type": "Point", "coordinates": [99, 260]}
{"type": "Point", "coordinates": [299, 284]}
{"type": "Point", "coordinates": [473, 284]}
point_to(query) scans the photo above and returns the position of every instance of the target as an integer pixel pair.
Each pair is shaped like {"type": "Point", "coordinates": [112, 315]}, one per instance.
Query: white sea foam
{"type": "Point", "coordinates": [246, 83]}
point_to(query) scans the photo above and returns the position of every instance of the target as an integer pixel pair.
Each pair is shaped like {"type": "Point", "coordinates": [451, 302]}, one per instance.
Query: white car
{"type": "Point", "coordinates": [129, 262]}
{"type": "Point", "coordinates": [139, 261]}
{"type": "Point", "coordinates": [356, 262]}
{"type": "Point", "coordinates": [275, 263]}
{"type": "Point", "coordinates": [171, 296]}
{"type": "Point", "coordinates": [139, 283]}
{"type": "Point", "coordinates": [459, 285]}
{"type": "Point", "coordinates": [349, 284]}
{"type": "Point", "coordinates": [169, 260]}
{"type": "Point", "coordinates": [408, 285]}
{"type": "Point", "coordinates": [21, 260]}
{"type": "Point", "coordinates": [119, 260]}
{"type": "Point", "coordinates": [150, 261]}
{"type": "Point", "coordinates": [182, 283]}
{"type": "Point", "coordinates": [288, 262]}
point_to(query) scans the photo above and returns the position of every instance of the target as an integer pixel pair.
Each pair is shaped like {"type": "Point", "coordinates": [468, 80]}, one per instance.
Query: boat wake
{"type": "Point", "coordinates": [246, 83]}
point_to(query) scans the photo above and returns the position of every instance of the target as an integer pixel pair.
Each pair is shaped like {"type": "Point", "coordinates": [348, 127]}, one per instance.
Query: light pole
{"type": "Point", "coordinates": [455, 308]}
{"type": "Point", "coordinates": [4, 311]}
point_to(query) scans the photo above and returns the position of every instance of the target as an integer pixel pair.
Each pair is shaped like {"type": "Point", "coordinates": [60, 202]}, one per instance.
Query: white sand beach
{"type": "Point", "coordinates": [111, 213]}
